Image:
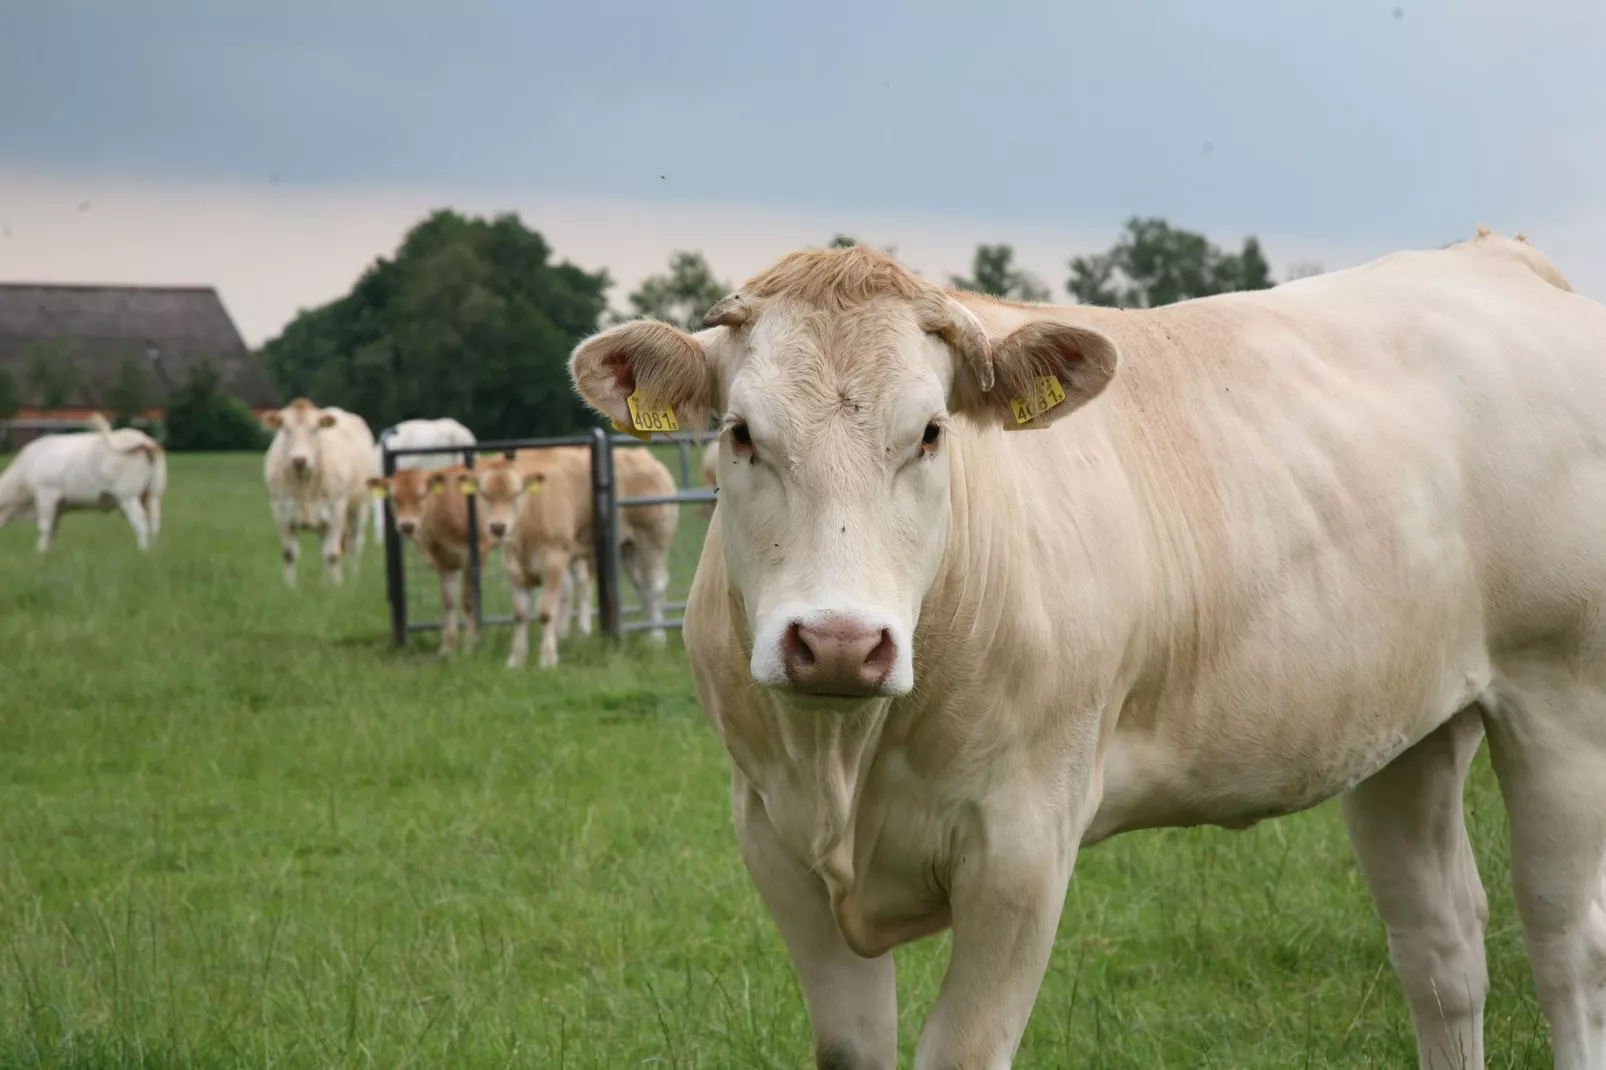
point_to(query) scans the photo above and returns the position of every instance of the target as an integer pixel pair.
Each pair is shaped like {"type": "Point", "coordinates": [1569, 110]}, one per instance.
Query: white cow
{"type": "Point", "coordinates": [413, 434]}
{"type": "Point", "coordinates": [97, 469]}
{"type": "Point", "coordinates": [317, 470]}
{"type": "Point", "coordinates": [1250, 552]}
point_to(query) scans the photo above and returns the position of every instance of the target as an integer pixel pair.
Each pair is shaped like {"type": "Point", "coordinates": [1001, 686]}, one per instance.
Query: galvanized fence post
{"type": "Point", "coordinates": [395, 576]}
{"type": "Point", "coordinates": [604, 496]}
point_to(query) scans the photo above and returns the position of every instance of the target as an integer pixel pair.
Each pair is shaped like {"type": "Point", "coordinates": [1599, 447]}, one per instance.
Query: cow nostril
{"type": "Point", "coordinates": [795, 650]}
{"type": "Point", "coordinates": [880, 660]}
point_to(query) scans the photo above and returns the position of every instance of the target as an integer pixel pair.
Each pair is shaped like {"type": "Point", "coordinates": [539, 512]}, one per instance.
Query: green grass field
{"type": "Point", "coordinates": [238, 829]}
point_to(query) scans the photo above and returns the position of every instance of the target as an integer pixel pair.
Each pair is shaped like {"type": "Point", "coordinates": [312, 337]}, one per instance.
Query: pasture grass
{"type": "Point", "coordinates": [237, 829]}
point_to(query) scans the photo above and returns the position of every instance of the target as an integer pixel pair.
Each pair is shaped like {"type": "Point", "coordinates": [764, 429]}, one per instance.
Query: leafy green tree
{"type": "Point", "coordinates": [201, 415]}
{"type": "Point", "coordinates": [129, 395]}
{"type": "Point", "coordinates": [53, 377]}
{"type": "Point", "coordinates": [471, 319]}
{"type": "Point", "coordinates": [993, 272]}
{"type": "Point", "coordinates": [681, 295]}
{"type": "Point", "coordinates": [10, 396]}
{"type": "Point", "coordinates": [1156, 264]}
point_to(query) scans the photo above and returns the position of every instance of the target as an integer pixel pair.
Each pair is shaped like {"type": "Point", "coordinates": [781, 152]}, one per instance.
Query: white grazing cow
{"type": "Point", "coordinates": [97, 469]}
{"type": "Point", "coordinates": [1248, 553]}
{"type": "Point", "coordinates": [418, 434]}
{"type": "Point", "coordinates": [317, 470]}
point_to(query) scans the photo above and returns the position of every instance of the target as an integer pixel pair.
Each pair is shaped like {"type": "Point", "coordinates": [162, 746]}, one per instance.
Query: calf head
{"type": "Point", "coordinates": [300, 422]}
{"type": "Point", "coordinates": [501, 486]}
{"type": "Point", "coordinates": [838, 378]}
{"type": "Point", "coordinates": [409, 491]}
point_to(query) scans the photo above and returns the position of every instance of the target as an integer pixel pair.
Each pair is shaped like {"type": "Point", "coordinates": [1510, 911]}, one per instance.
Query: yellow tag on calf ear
{"type": "Point", "coordinates": [466, 486]}
{"type": "Point", "coordinates": [645, 436]}
{"type": "Point", "coordinates": [650, 418]}
{"type": "Point", "coordinates": [377, 492]}
{"type": "Point", "coordinates": [1048, 393]}
{"type": "Point", "coordinates": [437, 488]}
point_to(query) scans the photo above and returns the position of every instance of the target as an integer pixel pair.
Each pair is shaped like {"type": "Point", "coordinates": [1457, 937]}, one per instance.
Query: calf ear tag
{"type": "Point", "coordinates": [377, 492]}
{"type": "Point", "coordinates": [466, 486]}
{"type": "Point", "coordinates": [1047, 393]}
{"type": "Point", "coordinates": [437, 488]}
{"type": "Point", "coordinates": [648, 418]}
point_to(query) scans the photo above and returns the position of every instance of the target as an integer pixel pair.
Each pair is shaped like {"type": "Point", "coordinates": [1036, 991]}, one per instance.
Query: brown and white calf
{"type": "Point", "coordinates": [317, 469]}
{"type": "Point", "coordinates": [431, 509]}
{"type": "Point", "coordinates": [539, 508]}
{"type": "Point", "coordinates": [1246, 553]}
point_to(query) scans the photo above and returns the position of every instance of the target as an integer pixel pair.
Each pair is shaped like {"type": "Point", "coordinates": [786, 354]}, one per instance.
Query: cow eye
{"type": "Point", "coordinates": [742, 435]}
{"type": "Point", "coordinates": [929, 440]}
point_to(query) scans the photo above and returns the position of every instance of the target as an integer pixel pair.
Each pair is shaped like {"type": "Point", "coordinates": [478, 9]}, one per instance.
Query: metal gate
{"type": "Point", "coordinates": [605, 504]}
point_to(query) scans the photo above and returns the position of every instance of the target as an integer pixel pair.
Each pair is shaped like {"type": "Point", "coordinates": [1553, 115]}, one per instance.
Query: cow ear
{"type": "Point", "coordinates": [662, 368]}
{"type": "Point", "coordinates": [326, 421]}
{"type": "Point", "coordinates": [1042, 372]}
{"type": "Point", "coordinates": [272, 420]}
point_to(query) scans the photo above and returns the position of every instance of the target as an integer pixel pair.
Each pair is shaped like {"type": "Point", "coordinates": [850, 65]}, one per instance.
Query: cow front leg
{"type": "Point", "coordinates": [334, 546]}
{"type": "Point", "coordinates": [290, 549]}
{"type": "Point", "coordinates": [451, 595]}
{"type": "Point", "coordinates": [852, 1001]}
{"type": "Point", "coordinates": [551, 608]}
{"type": "Point", "coordinates": [521, 624]}
{"type": "Point", "coordinates": [580, 571]}
{"type": "Point", "coordinates": [1006, 894]}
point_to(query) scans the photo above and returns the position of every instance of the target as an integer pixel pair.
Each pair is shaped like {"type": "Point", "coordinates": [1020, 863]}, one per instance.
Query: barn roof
{"type": "Point", "coordinates": [169, 329]}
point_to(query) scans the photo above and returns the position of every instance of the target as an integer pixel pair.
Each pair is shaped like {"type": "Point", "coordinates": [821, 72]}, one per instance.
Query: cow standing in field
{"type": "Point", "coordinates": [538, 507]}
{"type": "Point", "coordinates": [99, 469]}
{"type": "Point", "coordinates": [1248, 553]}
{"type": "Point", "coordinates": [418, 434]}
{"type": "Point", "coordinates": [431, 509]}
{"type": "Point", "coordinates": [317, 470]}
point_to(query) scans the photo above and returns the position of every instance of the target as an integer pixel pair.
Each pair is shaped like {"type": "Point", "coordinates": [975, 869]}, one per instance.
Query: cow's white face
{"type": "Point", "coordinates": [301, 422]}
{"type": "Point", "coordinates": [836, 412]}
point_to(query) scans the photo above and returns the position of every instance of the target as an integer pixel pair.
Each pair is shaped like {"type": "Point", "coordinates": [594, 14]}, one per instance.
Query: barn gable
{"type": "Point", "coordinates": [167, 329]}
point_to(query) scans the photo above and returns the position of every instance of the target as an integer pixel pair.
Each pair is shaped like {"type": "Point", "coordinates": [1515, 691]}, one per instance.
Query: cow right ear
{"type": "Point", "coordinates": [658, 370]}
{"type": "Point", "coordinates": [272, 420]}
{"type": "Point", "coordinates": [378, 486]}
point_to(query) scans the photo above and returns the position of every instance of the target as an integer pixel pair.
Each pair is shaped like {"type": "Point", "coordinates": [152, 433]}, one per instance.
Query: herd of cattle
{"type": "Point", "coordinates": [323, 471]}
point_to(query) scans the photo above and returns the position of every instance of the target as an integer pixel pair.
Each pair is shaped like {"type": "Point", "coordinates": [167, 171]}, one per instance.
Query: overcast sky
{"type": "Point", "coordinates": [275, 149]}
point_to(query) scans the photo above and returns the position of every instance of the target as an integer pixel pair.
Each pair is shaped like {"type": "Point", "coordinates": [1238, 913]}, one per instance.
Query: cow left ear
{"type": "Point", "coordinates": [645, 373]}
{"type": "Point", "coordinates": [1042, 372]}
{"type": "Point", "coordinates": [326, 421]}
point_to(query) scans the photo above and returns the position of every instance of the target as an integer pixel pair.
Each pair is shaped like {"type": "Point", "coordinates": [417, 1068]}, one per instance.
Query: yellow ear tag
{"type": "Point", "coordinates": [466, 487]}
{"type": "Point", "coordinates": [437, 488]}
{"type": "Point", "coordinates": [645, 436]}
{"type": "Point", "coordinates": [649, 419]}
{"type": "Point", "coordinates": [377, 492]}
{"type": "Point", "coordinates": [1048, 394]}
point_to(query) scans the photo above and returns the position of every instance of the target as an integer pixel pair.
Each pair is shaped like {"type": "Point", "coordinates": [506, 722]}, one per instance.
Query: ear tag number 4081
{"type": "Point", "coordinates": [1048, 393]}
{"type": "Point", "coordinates": [647, 418]}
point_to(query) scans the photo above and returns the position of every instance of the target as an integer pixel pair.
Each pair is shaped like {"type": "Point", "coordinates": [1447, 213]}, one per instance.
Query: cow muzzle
{"type": "Point", "coordinates": [406, 527]}
{"type": "Point", "coordinates": [299, 463]}
{"type": "Point", "coordinates": [497, 528]}
{"type": "Point", "coordinates": [832, 655]}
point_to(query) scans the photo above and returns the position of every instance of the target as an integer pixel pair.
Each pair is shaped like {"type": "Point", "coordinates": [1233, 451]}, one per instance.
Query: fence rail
{"type": "Point", "coordinates": [606, 504]}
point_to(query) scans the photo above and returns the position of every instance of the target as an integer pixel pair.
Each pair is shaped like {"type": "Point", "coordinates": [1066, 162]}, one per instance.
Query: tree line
{"type": "Point", "coordinates": [475, 318]}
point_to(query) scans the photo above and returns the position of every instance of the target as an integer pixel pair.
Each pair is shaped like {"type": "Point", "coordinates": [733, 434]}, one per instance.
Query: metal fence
{"type": "Point", "coordinates": [612, 614]}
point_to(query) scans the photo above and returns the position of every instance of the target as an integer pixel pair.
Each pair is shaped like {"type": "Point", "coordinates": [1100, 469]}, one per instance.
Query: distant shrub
{"type": "Point", "coordinates": [202, 416]}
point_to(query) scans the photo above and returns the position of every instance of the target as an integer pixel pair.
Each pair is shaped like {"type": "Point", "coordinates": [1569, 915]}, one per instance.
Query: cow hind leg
{"type": "Point", "coordinates": [47, 510]}
{"type": "Point", "coordinates": [138, 520]}
{"type": "Point", "coordinates": [520, 649]}
{"type": "Point", "coordinates": [1547, 739]}
{"type": "Point", "coordinates": [581, 572]}
{"type": "Point", "coordinates": [153, 512]}
{"type": "Point", "coordinates": [451, 596]}
{"type": "Point", "coordinates": [1408, 828]}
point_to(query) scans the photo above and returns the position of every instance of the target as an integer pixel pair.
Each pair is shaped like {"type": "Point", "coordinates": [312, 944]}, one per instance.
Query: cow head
{"type": "Point", "coordinates": [501, 486]}
{"type": "Point", "coordinates": [301, 422]}
{"type": "Point", "coordinates": [838, 378]}
{"type": "Point", "coordinates": [408, 491]}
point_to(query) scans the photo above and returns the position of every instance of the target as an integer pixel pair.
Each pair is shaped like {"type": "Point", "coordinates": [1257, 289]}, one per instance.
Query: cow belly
{"type": "Point", "coordinates": [1258, 767]}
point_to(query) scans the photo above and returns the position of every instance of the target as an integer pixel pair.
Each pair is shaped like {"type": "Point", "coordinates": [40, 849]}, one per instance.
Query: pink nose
{"type": "Point", "coordinates": [405, 526]}
{"type": "Point", "coordinates": [837, 656]}
{"type": "Point", "coordinates": [298, 462]}
{"type": "Point", "coordinates": [497, 527]}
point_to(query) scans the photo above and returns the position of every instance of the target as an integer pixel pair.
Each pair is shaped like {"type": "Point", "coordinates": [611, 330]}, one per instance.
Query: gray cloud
{"type": "Point", "coordinates": [1331, 119]}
